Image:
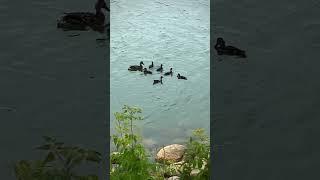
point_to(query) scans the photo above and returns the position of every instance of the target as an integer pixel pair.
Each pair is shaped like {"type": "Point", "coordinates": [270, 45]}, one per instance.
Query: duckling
{"type": "Point", "coordinates": [157, 81]}
{"type": "Point", "coordinates": [160, 68]}
{"type": "Point", "coordinates": [151, 66]}
{"type": "Point", "coordinates": [145, 71]}
{"type": "Point", "coordinates": [181, 77]}
{"type": "Point", "coordinates": [222, 49]}
{"type": "Point", "coordinates": [169, 73]}
{"type": "Point", "coordinates": [136, 67]}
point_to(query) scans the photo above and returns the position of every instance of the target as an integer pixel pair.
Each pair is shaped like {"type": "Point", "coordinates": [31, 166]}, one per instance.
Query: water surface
{"type": "Point", "coordinates": [266, 111]}
{"type": "Point", "coordinates": [45, 81]}
{"type": "Point", "coordinates": [172, 33]}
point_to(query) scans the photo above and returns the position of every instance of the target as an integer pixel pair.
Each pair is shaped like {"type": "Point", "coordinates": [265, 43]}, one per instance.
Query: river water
{"type": "Point", "coordinates": [46, 87]}
{"type": "Point", "coordinates": [177, 35]}
{"type": "Point", "coordinates": [266, 110]}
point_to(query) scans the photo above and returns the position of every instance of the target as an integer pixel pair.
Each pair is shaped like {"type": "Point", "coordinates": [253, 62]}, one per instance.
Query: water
{"type": "Point", "coordinates": [45, 82]}
{"type": "Point", "coordinates": [266, 110]}
{"type": "Point", "coordinates": [176, 34]}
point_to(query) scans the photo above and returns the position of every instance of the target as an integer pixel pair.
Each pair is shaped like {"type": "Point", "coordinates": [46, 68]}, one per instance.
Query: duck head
{"type": "Point", "coordinates": [141, 63]}
{"type": "Point", "coordinates": [221, 42]}
{"type": "Point", "coordinates": [161, 77]}
{"type": "Point", "coordinates": [101, 4]}
{"type": "Point", "coordinates": [170, 69]}
{"type": "Point", "coordinates": [178, 75]}
{"type": "Point", "coordinates": [100, 15]}
{"type": "Point", "coordinates": [161, 65]}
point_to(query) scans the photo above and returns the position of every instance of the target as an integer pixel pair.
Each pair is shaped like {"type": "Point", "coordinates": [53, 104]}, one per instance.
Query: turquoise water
{"type": "Point", "coordinates": [176, 34]}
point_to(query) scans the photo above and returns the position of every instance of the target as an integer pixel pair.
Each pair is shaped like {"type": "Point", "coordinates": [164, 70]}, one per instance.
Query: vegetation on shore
{"type": "Point", "coordinates": [59, 163]}
{"type": "Point", "coordinates": [130, 161]}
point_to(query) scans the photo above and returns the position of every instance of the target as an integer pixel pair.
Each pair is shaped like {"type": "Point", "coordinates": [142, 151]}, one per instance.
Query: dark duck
{"type": "Point", "coordinates": [145, 71]}
{"type": "Point", "coordinates": [157, 81]}
{"type": "Point", "coordinates": [84, 20]}
{"type": "Point", "coordinates": [169, 73]}
{"type": "Point", "coordinates": [160, 68]}
{"type": "Point", "coordinates": [222, 49]}
{"type": "Point", "coordinates": [181, 77]}
{"type": "Point", "coordinates": [151, 66]}
{"type": "Point", "coordinates": [136, 67]}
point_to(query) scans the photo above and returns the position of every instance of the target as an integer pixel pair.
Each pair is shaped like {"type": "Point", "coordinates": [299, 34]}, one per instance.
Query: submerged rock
{"type": "Point", "coordinates": [171, 153]}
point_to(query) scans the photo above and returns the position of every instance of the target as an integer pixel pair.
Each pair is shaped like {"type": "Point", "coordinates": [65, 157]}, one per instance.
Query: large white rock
{"type": "Point", "coordinates": [171, 153]}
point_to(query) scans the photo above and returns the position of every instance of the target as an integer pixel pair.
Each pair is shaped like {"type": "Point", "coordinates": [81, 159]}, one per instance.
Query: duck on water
{"type": "Point", "coordinates": [136, 67]}
{"type": "Point", "coordinates": [169, 73]}
{"type": "Point", "coordinates": [222, 49]}
{"type": "Point", "coordinates": [151, 66]}
{"type": "Point", "coordinates": [145, 71]}
{"type": "Point", "coordinates": [83, 20]}
{"type": "Point", "coordinates": [181, 77]}
{"type": "Point", "coordinates": [160, 69]}
{"type": "Point", "coordinates": [157, 81]}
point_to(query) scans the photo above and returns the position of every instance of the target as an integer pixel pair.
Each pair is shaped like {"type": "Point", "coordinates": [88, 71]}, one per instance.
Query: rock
{"type": "Point", "coordinates": [174, 168]}
{"type": "Point", "coordinates": [114, 167]}
{"type": "Point", "coordinates": [174, 178]}
{"type": "Point", "coordinates": [171, 153]}
{"type": "Point", "coordinates": [194, 172]}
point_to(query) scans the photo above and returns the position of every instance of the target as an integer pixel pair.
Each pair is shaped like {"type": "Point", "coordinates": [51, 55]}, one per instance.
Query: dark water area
{"type": "Point", "coordinates": [266, 110]}
{"type": "Point", "coordinates": [51, 84]}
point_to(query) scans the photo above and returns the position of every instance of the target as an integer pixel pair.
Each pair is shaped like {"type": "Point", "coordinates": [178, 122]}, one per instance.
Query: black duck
{"type": "Point", "coordinates": [157, 81]}
{"type": "Point", "coordinates": [222, 49]}
{"type": "Point", "coordinates": [169, 73]}
{"type": "Point", "coordinates": [160, 68]}
{"type": "Point", "coordinates": [151, 66]}
{"type": "Point", "coordinates": [136, 67]}
{"type": "Point", "coordinates": [181, 77]}
{"type": "Point", "coordinates": [84, 20]}
{"type": "Point", "coordinates": [145, 71]}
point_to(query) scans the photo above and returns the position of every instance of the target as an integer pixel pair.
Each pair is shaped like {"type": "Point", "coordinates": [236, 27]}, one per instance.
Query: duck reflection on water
{"type": "Point", "coordinates": [83, 21]}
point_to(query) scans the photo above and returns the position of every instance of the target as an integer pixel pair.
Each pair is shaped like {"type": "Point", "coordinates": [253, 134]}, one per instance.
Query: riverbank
{"type": "Point", "coordinates": [132, 160]}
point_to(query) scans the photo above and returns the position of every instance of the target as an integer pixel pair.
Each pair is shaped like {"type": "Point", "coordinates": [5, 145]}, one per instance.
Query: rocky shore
{"type": "Point", "coordinates": [170, 155]}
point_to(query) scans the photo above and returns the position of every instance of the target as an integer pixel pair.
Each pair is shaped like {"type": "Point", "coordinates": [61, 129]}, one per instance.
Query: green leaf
{"type": "Point", "coordinates": [50, 157]}
{"type": "Point", "coordinates": [48, 138]}
{"type": "Point", "coordinates": [44, 147]}
{"type": "Point", "coordinates": [77, 161]}
{"type": "Point", "coordinates": [93, 156]}
{"type": "Point", "coordinates": [59, 145]}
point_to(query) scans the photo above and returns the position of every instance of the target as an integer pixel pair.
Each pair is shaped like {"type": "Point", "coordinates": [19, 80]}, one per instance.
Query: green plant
{"type": "Point", "coordinates": [132, 160]}
{"type": "Point", "coordinates": [131, 157]}
{"type": "Point", "coordinates": [197, 156]}
{"type": "Point", "coordinates": [59, 163]}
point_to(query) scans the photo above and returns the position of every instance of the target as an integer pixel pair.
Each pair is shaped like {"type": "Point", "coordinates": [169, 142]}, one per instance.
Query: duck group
{"type": "Point", "coordinates": [159, 69]}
